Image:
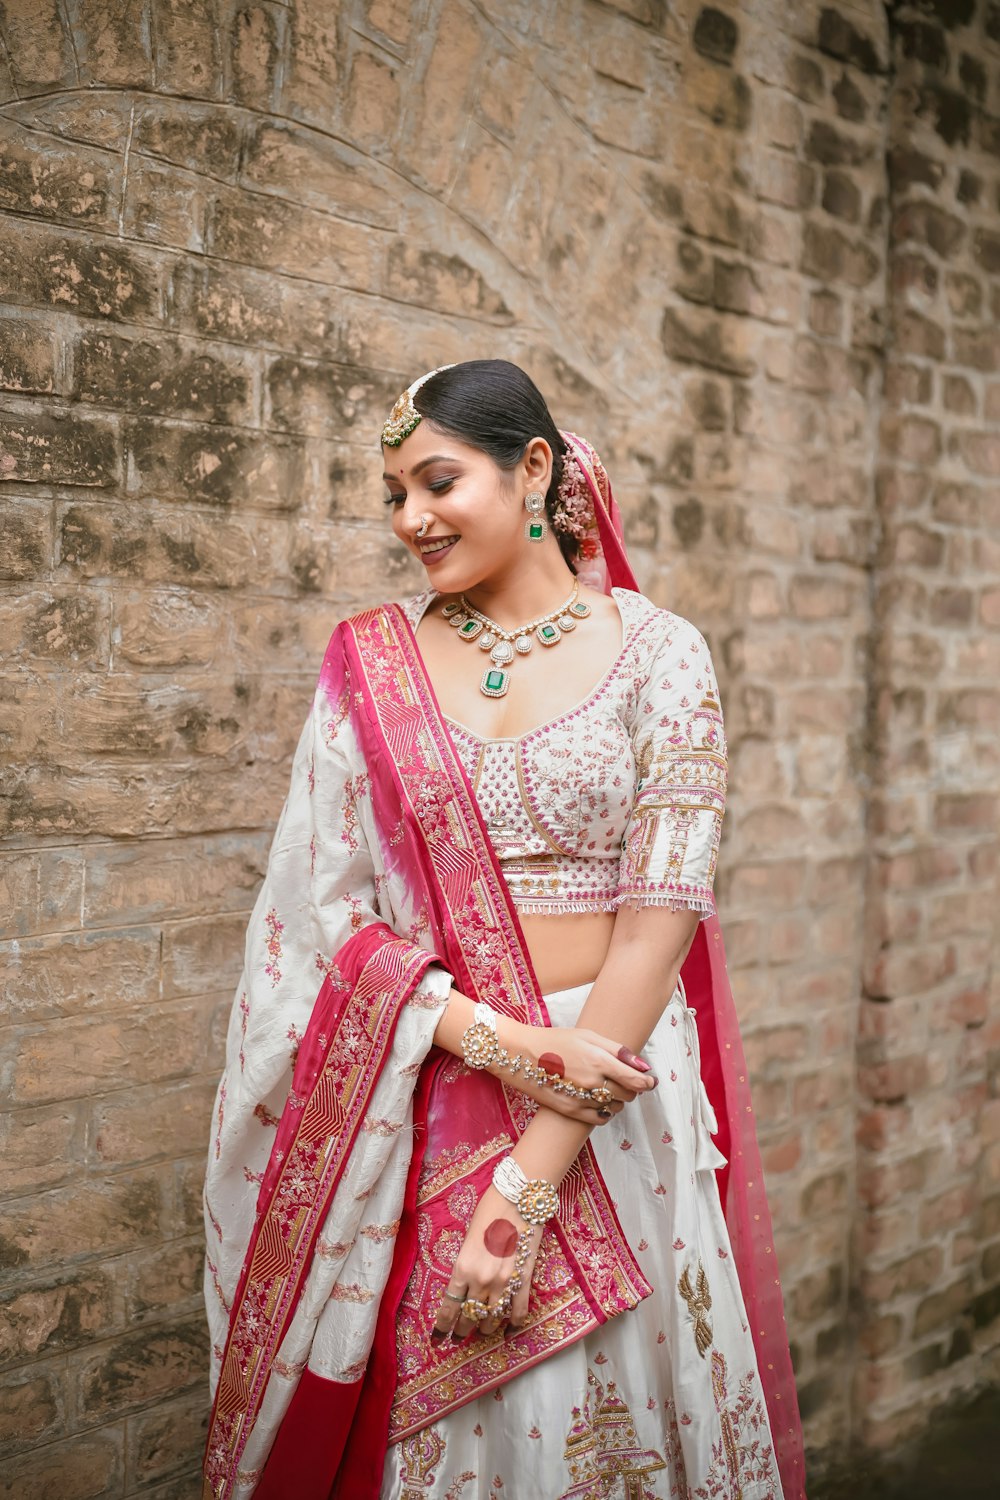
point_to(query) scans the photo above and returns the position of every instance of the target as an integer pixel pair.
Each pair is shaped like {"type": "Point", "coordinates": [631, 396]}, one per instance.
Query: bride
{"type": "Point", "coordinates": [484, 1207]}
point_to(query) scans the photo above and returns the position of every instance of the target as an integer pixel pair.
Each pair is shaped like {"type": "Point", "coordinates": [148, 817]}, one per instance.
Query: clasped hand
{"type": "Point", "coordinates": [582, 1057]}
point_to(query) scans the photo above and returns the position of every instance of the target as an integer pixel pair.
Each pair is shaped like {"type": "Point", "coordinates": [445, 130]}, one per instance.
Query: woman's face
{"type": "Point", "coordinates": [475, 510]}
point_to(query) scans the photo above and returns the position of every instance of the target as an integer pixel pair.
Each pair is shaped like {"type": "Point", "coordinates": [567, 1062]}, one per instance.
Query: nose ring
{"type": "Point", "coordinates": [425, 521]}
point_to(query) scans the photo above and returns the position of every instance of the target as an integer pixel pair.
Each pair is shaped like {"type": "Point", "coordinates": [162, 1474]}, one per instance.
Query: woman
{"type": "Point", "coordinates": [463, 1239]}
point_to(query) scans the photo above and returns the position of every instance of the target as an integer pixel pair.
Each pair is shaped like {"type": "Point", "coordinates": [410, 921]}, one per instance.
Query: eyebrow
{"type": "Point", "coordinates": [434, 459]}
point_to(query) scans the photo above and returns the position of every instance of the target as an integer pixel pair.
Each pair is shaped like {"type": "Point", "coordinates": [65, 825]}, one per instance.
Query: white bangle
{"type": "Point", "coordinates": [536, 1201]}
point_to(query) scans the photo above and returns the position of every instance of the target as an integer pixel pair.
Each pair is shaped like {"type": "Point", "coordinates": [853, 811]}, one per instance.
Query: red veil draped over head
{"type": "Point", "coordinates": [365, 1068]}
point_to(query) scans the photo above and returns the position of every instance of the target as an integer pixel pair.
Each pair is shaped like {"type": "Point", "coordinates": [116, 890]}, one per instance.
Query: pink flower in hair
{"type": "Point", "coordinates": [573, 512]}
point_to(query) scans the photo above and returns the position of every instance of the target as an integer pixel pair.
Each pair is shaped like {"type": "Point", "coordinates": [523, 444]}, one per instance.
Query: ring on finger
{"type": "Point", "coordinates": [602, 1095]}
{"type": "Point", "coordinates": [454, 1296]}
{"type": "Point", "coordinates": [474, 1310]}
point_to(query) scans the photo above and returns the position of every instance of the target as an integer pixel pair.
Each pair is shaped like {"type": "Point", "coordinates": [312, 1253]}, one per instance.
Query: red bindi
{"type": "Point", "coordinates": [552, 1063]}
{"type": "Point", "coordinates": [500, 1238]}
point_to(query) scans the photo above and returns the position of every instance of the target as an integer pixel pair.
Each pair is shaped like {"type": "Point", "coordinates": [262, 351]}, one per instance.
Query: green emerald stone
{"type": "Point", "coordinates": [535, 531]}
{"type": "Point", "coordinates": [494, 681]}
{"type": "Point", "coordinates": [547, 633]}
{"type": "Point", "coordinates": [470, 627]}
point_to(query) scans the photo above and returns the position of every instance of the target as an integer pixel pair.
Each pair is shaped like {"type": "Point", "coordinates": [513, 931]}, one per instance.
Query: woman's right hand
{"type": "Point", "coordinates": [582, 1057]}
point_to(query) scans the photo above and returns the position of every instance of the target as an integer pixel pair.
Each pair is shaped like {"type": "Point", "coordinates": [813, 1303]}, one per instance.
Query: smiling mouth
{"type": "Point", "coordinates": [436, 544]}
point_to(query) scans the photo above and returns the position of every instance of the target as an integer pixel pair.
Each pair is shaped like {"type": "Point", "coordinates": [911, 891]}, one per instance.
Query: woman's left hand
{"type": "Point", "coordinates": [485, 1265]}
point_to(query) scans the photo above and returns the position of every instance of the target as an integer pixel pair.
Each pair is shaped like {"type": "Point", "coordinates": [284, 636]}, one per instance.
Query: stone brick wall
{"type": "Point", "coordinates": [752, 250]}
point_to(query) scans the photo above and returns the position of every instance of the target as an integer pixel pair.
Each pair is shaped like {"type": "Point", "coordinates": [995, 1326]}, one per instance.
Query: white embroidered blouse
{"type": "Point", "coordinates": [620, 800]}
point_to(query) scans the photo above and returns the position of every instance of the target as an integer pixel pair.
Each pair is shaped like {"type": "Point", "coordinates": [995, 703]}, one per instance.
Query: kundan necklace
{"type": "Point", "coordinates": [548, 630]}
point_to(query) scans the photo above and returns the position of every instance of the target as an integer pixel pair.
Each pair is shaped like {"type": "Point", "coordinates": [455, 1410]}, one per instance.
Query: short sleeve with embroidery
{"type": "Point", "coordinates": [671, 844]}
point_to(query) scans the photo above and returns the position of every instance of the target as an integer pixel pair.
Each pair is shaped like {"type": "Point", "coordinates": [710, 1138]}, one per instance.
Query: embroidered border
{"type": "Point", "coordinates": [592, 1274]}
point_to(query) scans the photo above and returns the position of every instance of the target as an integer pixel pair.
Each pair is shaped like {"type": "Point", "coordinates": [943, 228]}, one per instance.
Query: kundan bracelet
{"type": "Point", "coordinates": [536, 1201]}
{"type": "Point", "coordinates": [481, 1049]}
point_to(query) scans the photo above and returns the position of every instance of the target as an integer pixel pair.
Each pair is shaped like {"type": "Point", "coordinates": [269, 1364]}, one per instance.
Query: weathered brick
{"type": "Point", "coordinates": [434, 280]}
{"type": "Point", "coordinates": [203, 955]}
{"type": "Point", "coordinates": [140, 1125]}
{"type": "Point", "coordinates": [162, 376]}
{"type": "Point", "coordinates": [25, 537]}
{"type": "Point", "coordinates": [161, 1441]}
{"type": "Point", "coordinates": [311, 168]}
{"type": "Point", "coordinates": [374, 100]}
{"type": "Point", "coordinates": [92, 1217]}
{"type": "Point", "coordinates": [172, 878]}
{"type": "Point", "coordinates": [58, 449]}
{"type": "Point", "coordinates": [38, 178]}
{"type": "Point", "coordinates": [64, 1314]}
{"type": "Point", "coordinates": [87, 1466]}
{"type": "Point", "coordinates": [39, 1148]}
{"type": "Point", "coordinates": [139, 1368]}
{"type": "Point", "coordinates": [40, 50]}
{"type": "Point", "coordinates": [32, 1407]}
{"type": "Point", "coordinates": [94, 1054]}
{"type": "Point", "coordinates": [186, 47]}
{"type": "Point", "coordinates": [165, 205]}
{"type": "Point", "coordinates": [166, 1279]}
{"type": "Point", "coordinates": [27, 357]}
{"type": "Point", "coordinates": [41, 267]}
{"type": "Point", "coordinates": [64, 629]}
{"type": "Point", "coordinates": [112, 44]}
{"type": "Point", "coordinates": [216, 466]}
{"type": "Point", "coordinates": [255, 39]}
{"type": "Point", "coordinates": [310, 87]}
{"type": "Point", "coordinates": [48, 977]}
{"type": "Point", "coordinates": [220, 552]}
{"type": "Point", "coordinates": [262, 230]}
{"type": "Point", "coordinates": [198, 137]}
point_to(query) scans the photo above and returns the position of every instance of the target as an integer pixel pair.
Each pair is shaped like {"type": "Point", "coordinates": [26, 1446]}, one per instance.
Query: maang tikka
{"type": "Point", "coordinates": [536, 526]}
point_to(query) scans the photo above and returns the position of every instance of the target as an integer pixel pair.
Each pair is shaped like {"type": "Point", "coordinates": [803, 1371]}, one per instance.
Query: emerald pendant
{"type": "Point", "coordinates": [470, 629]}
{"type": "Point", "coordinates": [548, 635]}
{"type": "Point", "coordinates": [579, 609]}
{"type": "Point", "coordinates": [495, 682]}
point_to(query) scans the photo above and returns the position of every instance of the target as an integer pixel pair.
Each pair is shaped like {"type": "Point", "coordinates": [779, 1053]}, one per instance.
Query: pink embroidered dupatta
{"type": "Point", "coordinates": [434, 838]}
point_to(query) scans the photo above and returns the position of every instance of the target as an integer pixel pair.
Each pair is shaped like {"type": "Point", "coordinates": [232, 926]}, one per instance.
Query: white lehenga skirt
{"type": "Point", "coordinates": [664, 1401]}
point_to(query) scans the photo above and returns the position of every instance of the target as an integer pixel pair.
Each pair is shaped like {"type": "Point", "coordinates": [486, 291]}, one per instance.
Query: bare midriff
{"type": "Point", "coordinates": [567, 950]}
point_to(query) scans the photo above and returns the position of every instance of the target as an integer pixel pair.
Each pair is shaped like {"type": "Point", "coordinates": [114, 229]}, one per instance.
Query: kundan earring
{"type": "Point", "coordinates": [536, 525]}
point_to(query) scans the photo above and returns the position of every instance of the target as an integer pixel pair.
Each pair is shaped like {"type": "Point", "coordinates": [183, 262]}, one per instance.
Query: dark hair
{"type": "Point", "coordinates": [494, 406]}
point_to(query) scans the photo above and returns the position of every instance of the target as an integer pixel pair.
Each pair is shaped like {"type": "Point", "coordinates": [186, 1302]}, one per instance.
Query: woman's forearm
{"type": "Point", "coordinates": [625, 1003]}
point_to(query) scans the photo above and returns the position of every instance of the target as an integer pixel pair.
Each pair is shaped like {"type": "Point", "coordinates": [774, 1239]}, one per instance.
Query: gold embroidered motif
{"type": "Point", "coordinates": [699, 1303]}
{"type": "Point", "coordinates": [419, 1456]}
{"type": "Point", "coordinates": [602, 1448]}
{"type": "Point", "coordinates": [458, 1161]}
